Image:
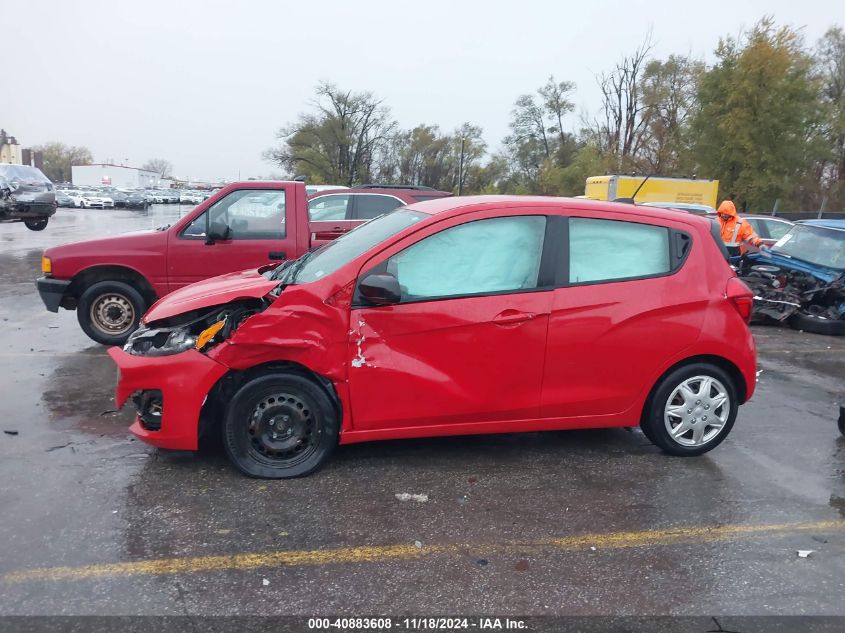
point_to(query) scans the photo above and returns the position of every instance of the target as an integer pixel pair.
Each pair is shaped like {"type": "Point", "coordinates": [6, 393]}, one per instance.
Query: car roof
{"type": "Point", "coordinates": [828, 224]}
{"type": "Point", "coordinates": [456, 205]}
{"type": "Point", "coordinates": [679, 205]}
{"type": "Point", "coordinates": [396, 192]}
{"type": "Point", "coordinates": [758, 216]}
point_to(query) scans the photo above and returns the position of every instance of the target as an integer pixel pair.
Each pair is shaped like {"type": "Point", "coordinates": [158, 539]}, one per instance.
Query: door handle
{"type": "Point", "coordinates": [277, 255]}
{"type": "Point", "coordinates": [511, 317]}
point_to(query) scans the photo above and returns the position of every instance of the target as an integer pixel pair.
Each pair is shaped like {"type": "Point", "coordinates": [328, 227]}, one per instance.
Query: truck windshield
{"type": "Point", "coordinates": [334, 255]}
{"type": "Point", "coordinates": [814, 245]}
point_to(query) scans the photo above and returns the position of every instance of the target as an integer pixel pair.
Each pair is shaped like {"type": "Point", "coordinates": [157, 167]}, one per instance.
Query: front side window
{"type": "Point", "coordinates": [328, 208]}
{"type": "Point", "coordinates": [607, 250]}
{"type": "Point", "coordinates": [250, 214]}
{"type": "Point", "coordinates": [476, 258]}
{"type": "Point", "coordinates": [372, 206]}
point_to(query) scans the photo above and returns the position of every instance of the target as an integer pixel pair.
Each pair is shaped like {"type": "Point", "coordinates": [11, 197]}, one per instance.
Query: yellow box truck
{"type": "Point", "coordinates": [655, 189]}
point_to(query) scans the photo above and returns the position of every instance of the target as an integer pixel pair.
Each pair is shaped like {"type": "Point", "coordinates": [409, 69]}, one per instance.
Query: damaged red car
{"type": "Point", "coordinates": [453, 316]}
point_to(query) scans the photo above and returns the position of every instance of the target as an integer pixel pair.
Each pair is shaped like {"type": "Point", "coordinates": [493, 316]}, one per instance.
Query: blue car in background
{"type": "Point", "coordinates": [801, 280]}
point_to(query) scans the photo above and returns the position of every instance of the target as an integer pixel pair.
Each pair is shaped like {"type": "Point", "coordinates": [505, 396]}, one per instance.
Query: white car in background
{"type": "Point", "coordinates": [76, 196]}
{"type": "Point", "coordinates": [190, 197]}
{"type": "Point", "coordinates": [96, 200]}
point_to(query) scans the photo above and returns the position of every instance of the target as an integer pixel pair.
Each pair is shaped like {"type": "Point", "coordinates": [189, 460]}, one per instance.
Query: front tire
{"type": "Point", "coordinates": [692, 410]}
{"type": "Point", "coordinates": [280, 426]}
{"type": "Point", "coordinates": [109, 311]}
{"type": "Point", "coordinates": [36, 224]}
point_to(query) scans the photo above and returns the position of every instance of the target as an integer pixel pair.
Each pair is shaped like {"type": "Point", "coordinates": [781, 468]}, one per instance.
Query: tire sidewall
{"type": "Point", "coordinates": [92, 293]}
{"type": "Point", "coordinates": [244, 402]}
{"type": "Point", "coordinates": [813, 325]}
{"type": "Point", "coordinates": [36, 225]}
{"type": "Point", "coordinates": [654, 419]}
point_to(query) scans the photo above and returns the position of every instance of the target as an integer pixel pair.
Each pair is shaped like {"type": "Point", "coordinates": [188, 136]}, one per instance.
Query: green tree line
{"type": "Point", "coordinates": [766, 118]}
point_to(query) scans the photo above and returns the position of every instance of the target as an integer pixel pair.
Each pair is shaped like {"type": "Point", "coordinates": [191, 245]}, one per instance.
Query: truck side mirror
{"type": "Point", "coordinates": [380, 289]}
{"type": "Point", "coordinates": [217, 231]}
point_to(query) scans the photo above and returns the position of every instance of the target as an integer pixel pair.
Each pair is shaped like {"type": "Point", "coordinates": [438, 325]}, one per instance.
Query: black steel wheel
{"type": "Point", "coordinates": [279, 426]}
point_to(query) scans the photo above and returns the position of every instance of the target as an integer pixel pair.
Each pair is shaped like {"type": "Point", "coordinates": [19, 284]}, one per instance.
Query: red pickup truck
{"type": "Point", "coordinates": [112, 281]}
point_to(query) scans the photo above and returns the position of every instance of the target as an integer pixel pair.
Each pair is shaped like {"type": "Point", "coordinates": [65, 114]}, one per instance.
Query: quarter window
{"type": "Point", "coordinates": [481, 257]}
{"type": "Point", "coordinates": [605, 250]}
{"type": "Point", "coordinates": [250, 214]}
{"type": "Point", "coordinates": [370, 206]}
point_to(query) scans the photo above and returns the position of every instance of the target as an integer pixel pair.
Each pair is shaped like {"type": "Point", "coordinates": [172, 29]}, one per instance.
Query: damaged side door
{"type": "Point", "coordinates": [464, 341]}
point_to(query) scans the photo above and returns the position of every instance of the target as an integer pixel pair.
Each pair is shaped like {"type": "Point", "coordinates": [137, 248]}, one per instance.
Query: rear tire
{"type": "Point", "coordinates": [280, 426]}
{"type": "Point", "coordinates": [692, 410]}
{"type": "Point", "coordinates": [36, 224]}
{"type": "Point", "coordinates": [109, 311]}
{"type": "Point", "coordinates": [816, 325]}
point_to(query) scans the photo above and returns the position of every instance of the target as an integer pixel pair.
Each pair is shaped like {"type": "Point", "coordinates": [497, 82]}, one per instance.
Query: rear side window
{"type": "Point", "coordinates": [777, 229]}
{"type": "Point", "coordinates": [371, 206]}
{"type": "Point", "coordinates": [610, 250]}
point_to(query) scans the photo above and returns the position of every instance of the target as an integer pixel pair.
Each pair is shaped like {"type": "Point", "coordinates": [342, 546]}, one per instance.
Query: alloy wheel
{"type": "Point", "coordinates": [697, 411]}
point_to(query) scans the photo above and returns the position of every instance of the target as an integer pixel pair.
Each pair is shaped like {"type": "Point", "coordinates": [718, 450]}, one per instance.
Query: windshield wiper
{"type": "Point", "coordinates": [293, 271]}
{"type": "Point", "coordinates": [288, 271]}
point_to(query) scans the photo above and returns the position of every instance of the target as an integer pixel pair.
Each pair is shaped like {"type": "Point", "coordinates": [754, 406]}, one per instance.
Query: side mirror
{"type": "Point", "coordinates": [380, 289]}
{"type": "Point", "coordinates": [217, 231]}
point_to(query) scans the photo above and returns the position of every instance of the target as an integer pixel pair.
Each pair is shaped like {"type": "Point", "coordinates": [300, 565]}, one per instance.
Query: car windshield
{"type": "Point", "coordinates": [17, 173]}
{"type": "Point", "coordinates": [334, 255]}
{"type": "Point", "coordinates": [814, 245]}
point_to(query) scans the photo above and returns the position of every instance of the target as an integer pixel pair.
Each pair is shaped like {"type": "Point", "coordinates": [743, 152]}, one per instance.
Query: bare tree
{"type": "Point", "coordinates": [341, 142]}
{"type": "Point", "coordinates": [160, 166]}
{"type": "Point", "coordinates": [623, 126]}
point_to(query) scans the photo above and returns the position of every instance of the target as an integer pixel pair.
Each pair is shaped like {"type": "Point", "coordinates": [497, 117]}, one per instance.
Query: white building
{"type": "Point", "coordinates": [103, 174]}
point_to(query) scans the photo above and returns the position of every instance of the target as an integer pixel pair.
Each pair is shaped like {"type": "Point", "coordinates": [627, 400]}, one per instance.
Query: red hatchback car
{"type": "Point", "coordinates": [454, 316]}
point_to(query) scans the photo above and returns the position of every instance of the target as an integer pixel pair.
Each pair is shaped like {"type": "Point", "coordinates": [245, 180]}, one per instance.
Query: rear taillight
{"type": "Point", "coordinates": [741, 297]}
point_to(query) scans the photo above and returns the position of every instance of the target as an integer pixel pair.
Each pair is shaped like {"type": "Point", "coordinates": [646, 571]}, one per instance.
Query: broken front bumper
{"type": "Point", "coordinates": [183, 381]}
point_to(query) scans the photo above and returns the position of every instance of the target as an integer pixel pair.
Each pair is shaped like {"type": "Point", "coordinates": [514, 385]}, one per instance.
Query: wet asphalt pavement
{"type": "Point", "coordinates": [587, 522]}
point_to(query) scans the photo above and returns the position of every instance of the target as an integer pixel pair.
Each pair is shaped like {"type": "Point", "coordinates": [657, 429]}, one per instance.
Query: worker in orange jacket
{"type": "Point", "coordinates": [735, 231]}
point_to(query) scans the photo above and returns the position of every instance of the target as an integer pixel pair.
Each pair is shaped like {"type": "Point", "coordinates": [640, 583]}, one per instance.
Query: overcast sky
{"type": "Point", "coordinates": [206, 85]}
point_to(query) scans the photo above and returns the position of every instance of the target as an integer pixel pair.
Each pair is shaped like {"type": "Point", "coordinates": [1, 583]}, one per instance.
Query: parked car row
{"type": "Point", "coordinates": [110, 197]}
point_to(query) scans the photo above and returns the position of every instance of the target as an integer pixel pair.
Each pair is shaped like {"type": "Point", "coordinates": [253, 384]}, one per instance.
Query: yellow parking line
{"type": "Point", "coordinates": [377, 553]}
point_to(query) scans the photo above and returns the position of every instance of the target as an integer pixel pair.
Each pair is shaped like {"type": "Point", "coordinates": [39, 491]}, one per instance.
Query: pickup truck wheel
{"type": "Point", "coordinates": [36, 224]}
{"type": "Point", "coordinates": [280, 426]}
{"type": "Point", "coordinates": [109, 311]}
{"type": "Point", "coordinates": [693, 409]}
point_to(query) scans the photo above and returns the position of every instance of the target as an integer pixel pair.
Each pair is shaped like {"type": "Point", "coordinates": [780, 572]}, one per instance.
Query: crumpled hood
{"type": "Point", "coordinates": [247, 284]}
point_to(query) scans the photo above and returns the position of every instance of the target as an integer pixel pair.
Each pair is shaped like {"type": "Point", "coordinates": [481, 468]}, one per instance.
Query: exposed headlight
{"type": "Point", "coordinates": [159, 342]}
{"type": "Point", "coordinates": [14, 186]}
